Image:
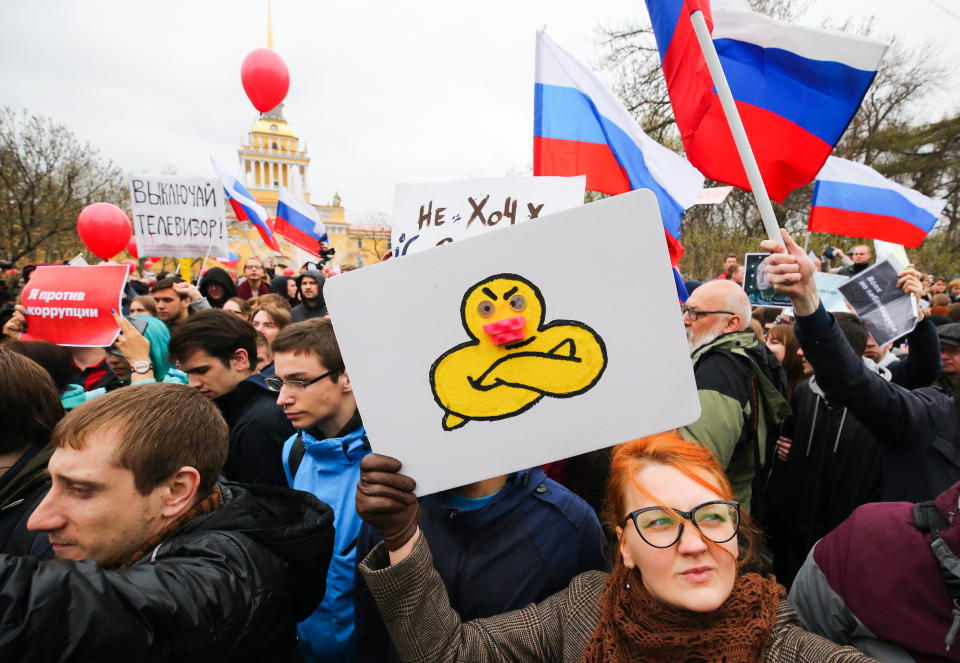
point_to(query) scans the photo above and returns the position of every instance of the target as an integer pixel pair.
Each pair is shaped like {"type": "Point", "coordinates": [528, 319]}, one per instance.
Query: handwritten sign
{"type": "Point", "coordinates": [70, 305]}
{"type": "Point", "coordinates": [504, 358]}
{"type": "Point", "coordinates": [434, 214]}
{"type": "Point", "coordinates": [180, 217]}
{"type": "Point", "coordinates": [886, 310]}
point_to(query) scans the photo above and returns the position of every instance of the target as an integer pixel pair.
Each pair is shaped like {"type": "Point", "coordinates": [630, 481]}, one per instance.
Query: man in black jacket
{"type": "Point", "coordinates": [919, 430]}
{"type": "Point", "coordinates": [157, 561]}
{"type": "Point", "coordinates": [218, 352]}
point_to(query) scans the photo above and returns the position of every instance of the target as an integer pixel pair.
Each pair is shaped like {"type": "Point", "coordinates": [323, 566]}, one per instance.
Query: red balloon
{"type": "Point", "coordinates": [288, 271]}
{"type": "Point", "coordinates": [265, 79]}
{"type": "Point", "coordinates": [132, 247]}
{"type": "Point", "coordinates": [148, 264]}
{"type": "Point", "coordinates": [131, 263]}
{"type": "Point", "coordinates": [157, 259]}
{"type": "Point", "coordinates": [104, 228]}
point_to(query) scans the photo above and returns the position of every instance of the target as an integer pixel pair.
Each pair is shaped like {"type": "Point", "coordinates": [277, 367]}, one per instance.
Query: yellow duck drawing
{"type": "Point", "coordinates": [513, 359]}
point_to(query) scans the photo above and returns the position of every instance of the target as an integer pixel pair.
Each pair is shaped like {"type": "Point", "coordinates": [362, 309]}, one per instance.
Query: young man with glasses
{"type": "Point", "coordinates": [740, 383]}
{"type": "Point", "coordinates": [256, 282]}
{"type": "Point", "coordinates": [323, 458]}
{"type": "Point", "coordinates": [218, 352]}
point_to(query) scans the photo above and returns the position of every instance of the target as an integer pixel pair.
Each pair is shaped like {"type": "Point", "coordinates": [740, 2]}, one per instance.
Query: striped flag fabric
{"type": "Point", "coordinates": [299, 222]}
{"type": "Point", "coordinates": [244, 206]}
{"type": "Point", "coordinates": [854, 200]}
{"type": "Point", "coordinates": [796, 89]}
{"type": "Point", "coordinates": [581, 128]}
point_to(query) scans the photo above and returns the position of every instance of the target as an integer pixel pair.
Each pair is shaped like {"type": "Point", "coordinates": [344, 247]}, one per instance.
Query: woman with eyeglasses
{"type": "Point", "coordinates": [680, 589]}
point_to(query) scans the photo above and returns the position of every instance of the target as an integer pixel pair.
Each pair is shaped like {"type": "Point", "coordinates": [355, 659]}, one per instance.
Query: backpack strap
{"type": "Point", "coordinates": [928, 519]}
{"type": "Point", "coordinates": [297, 452]}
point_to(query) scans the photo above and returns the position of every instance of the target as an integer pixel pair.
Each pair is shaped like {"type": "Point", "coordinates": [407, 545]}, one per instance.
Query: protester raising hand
{"type": "Point", "coordinates": [790, 271]}
{"type": "Point", "coordinates": [192, 292]}
{"type": "Point", "coordinates": [17, 324]}
{"type": "Point", "coordinates": [909, 282]}
{"type": "Point", "coordinates": [135, 349]}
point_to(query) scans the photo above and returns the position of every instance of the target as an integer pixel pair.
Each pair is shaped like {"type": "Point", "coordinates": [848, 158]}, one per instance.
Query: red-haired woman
{"type": "Point", "coordinates": [676, 592]}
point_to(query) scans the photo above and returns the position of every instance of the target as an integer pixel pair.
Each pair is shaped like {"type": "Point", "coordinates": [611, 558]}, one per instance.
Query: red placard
{"type": "Point", "coordinates": [71, 305]}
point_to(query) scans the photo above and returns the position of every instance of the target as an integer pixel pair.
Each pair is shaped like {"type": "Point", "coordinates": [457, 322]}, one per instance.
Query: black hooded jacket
{"type": "Point", "coordinates": [317, 310]}
{"type": "Point", "coordinates": [226, 586]}
{"type": "Point", "coordinates": [279, 286]}
{"type": "Point", "coordinates": [217, 275]}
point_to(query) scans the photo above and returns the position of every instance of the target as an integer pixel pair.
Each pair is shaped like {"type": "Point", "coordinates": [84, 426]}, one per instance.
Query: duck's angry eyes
{"type": "Point", "coordinates": [518, 303]}
{"type": "Point", "coordinates": [485, 309]}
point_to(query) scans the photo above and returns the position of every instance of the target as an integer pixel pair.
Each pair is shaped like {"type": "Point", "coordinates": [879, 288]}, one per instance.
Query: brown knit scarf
{"type": "Point", "coordinates": [208, 504]}
{"type": "Point", "coordinates": [635, 627]}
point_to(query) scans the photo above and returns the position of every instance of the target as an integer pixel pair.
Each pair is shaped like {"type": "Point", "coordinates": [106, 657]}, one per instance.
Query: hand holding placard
{"type": "Point", "coordinates": [790, 272]}
{"type": "Point", "coordinates": [386, 500]}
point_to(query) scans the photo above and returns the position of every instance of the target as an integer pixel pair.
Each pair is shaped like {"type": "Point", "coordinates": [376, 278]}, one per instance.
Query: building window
{"type": "Point", "coordinates": [274, 145]}
{"type": "Point", "coordinates": [360, 243]}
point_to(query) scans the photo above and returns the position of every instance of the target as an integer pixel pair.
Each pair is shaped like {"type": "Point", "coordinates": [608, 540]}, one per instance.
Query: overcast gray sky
{"type": "Point", "coordinates": [382, 92]}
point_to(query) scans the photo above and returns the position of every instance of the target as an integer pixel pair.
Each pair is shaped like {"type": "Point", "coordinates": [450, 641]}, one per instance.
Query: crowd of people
{"type": "Point", "coordinates": [204, 489]}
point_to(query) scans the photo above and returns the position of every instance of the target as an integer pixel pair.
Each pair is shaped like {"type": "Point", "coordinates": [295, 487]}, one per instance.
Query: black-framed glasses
{"type": "Point", "coordinates": [696, 314]}
{"type": "Point", "coordinates": [718, 520]}
{"type": "Point", "coordinates": [296, 386]}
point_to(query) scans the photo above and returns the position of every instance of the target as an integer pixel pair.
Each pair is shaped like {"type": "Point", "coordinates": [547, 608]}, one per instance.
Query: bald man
{"type": "Point", "coordinates": [740, 384]}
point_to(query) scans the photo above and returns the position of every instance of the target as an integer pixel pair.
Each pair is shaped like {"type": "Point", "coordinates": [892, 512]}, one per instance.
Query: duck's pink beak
{"type": "Point", "coordinates": [506, 331]}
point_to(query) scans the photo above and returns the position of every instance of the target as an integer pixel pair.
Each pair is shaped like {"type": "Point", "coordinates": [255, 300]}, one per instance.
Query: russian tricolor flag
{"type": "Point", "coordinates": [244, 206]}
{"type": "Point", "coordinates": [299, 222]}
{"type": "Point", "coordinates": [854, 200]}
{"type": "Point", "coordinates": [581, 128]}
{"type": "Point", "coordinates": [796, 88]}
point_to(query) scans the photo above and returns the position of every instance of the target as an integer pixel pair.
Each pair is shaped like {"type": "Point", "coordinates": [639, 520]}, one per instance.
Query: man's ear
{"type": "Point", "coordinates": [181, 490]}
{"type": "Point", "coordinates": [344, 381]}
{"type": "Point", "coordinates": [240, 360]}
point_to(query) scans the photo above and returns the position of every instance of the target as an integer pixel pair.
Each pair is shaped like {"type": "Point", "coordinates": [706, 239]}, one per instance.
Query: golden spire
{"type": "Point", "coordinates": [269, 27]}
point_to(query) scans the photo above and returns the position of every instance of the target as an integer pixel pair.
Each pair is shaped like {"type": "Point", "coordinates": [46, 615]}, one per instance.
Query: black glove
{"type": "Point", "coordinates": [385, 499]}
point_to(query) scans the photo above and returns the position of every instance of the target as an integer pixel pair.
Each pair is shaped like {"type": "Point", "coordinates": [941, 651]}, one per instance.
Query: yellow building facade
{"type": "Point", "coordinates": [273, 156]}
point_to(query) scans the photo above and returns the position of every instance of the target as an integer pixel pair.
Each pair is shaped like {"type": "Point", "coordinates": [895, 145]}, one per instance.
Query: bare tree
{"type": "Point", "coordinates": [46, 178]}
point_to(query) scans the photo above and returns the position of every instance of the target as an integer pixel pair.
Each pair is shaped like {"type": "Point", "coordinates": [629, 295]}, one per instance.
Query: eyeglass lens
{"type": "Point", "coordinates": [661, 528]}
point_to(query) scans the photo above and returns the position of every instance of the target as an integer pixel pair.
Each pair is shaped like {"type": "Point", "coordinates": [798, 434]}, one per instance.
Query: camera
{"type": "Point", "coordinates": [829, 253]}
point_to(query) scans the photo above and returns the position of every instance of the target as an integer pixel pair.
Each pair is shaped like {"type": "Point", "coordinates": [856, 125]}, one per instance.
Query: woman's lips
{"type": "Point", "coordinates": [698, 574]}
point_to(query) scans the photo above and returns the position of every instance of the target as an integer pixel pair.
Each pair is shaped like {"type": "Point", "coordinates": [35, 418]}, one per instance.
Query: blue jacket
{"type": "Point", "coordinates": [526, 544]}
{"type": "Point", "coordinates": [330, 469]}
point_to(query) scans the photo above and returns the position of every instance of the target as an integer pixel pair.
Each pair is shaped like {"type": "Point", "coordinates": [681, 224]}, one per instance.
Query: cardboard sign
{"type": "Point", "coordinates": [71, 305]}
{"type": "Point", "coordinates": [828, 287]}
{"type": "Point", "coordinates": [886, 310]}
{"type": "Point", "coordinates": [500, 356]}
{"type": "Point", "coordinates": [433, 214]}
{"type": "Point", "coordinates": [179, 217]}
{"type": "Point", "coordinates": [757, 285]}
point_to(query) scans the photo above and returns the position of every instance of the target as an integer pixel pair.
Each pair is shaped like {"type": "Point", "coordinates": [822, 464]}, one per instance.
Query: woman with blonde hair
{"type": "Point", "coordinates": [681, 588]}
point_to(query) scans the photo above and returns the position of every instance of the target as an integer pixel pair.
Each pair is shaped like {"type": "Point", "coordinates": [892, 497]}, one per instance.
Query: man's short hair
{"type": "Point", "coordinates": [29, 402]}
{"type": "Point", "coordinates": [217, 332]}
{"type": "Point", "coordinates": [159, 427]}
{"type": "Point", "coordinates": [168, 282]}
{"type": "Point", "coordinates": [854, 330]}
{"type": "Point", "coordinates": [313, 336]}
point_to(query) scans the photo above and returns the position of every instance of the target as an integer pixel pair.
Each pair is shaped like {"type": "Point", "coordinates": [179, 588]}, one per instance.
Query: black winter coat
{"type": "Point", "coordinates": [226, 586]}
{"type": "Point", "coordinates": [918, 430]}
{"type": "Point", "coordinates": [258, 429]}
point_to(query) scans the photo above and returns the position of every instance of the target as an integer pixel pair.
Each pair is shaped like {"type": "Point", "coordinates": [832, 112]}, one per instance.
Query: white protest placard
{"type": "Point", "coordinates": [713, 196]}
{"type": "Point", "coordinates": [180, 217]}
{"type": "Point", "coordinates": [828, 287]}
{"type": "Point", "coordinates": [888, 249]}
{"type": "Point", "coordinates": [436, 213]}
{"type": "Point", "coordinates": [502, 357]}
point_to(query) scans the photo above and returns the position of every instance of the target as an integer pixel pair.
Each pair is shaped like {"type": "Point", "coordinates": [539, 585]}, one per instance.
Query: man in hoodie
{"type": "Point", "coordinates": [218, 352]}
{"type": "Point", "coordinates": [740, 384]}
{"type": "Point", "coordinates": [310, 287]}
{"type": "Point", "coordinates": [217, 286]}
{"type": "Point", "coordinates": [157, 561]}
{"type": "Point", "coordinates": [498, 544]}
{"type": "Point", "coordinates": [323, 459]}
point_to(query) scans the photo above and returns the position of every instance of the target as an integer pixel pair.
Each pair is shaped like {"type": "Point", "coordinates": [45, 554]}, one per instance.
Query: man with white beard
{"type": "Point", "coordinates": [740, 383]}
